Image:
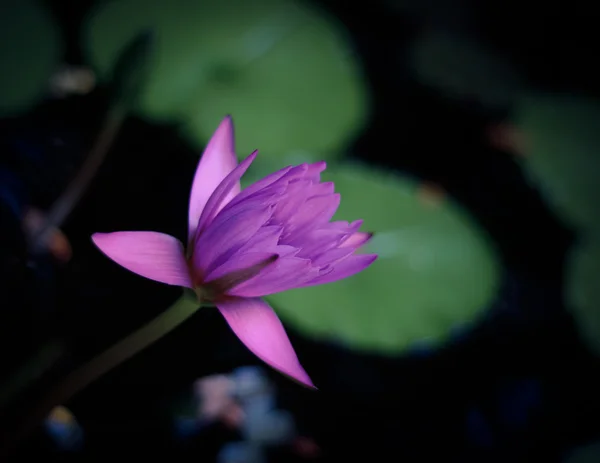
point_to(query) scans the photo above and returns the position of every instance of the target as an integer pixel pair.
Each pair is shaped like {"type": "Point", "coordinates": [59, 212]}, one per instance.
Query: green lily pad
{"type": "Point", "coordinates": [30, 50]}
{"type": "Point", "coordinates": [461, 68]}
{"type": "Point", "coordinates": [583, 291]}
{"type": "Point", "coordinates": [436, 270]}
{"type": "Point", "coordinates": [281, 68]}
{"type": "Point", "coordinates": [562, 146]}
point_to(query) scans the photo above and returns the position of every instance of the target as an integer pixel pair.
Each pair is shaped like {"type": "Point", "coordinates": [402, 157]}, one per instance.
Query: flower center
{"type": "Point", "coordinates": [209, 292]}
{"type": "Point", "coordinates": [206, 293]}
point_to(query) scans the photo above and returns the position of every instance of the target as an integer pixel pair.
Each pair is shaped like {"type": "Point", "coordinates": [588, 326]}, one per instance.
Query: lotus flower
{"type": "Point", "coordinates": [273, 236]}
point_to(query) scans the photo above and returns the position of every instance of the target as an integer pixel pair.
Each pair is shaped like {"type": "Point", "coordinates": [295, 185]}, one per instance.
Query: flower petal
{"type": "Point", "coordinates": [356, 240]}
{"type": "Point", "coordinates": [217, 161]}
{"type": "Point", "coordinates": [308, 172]}
{"type": "Point", "coordinates": [226, 235]}
{"type": "Point", "coordinates": [332, 256]}
{"type": "Point", "coordinates": [313, 171]}
{"type": "Point", "coordinates": [223, 284]}
{"type": "Point", "coordinates": [292, 200]}
{"type": "Point", "coordinates": [260, 185]}
{"type": "Point", "coordinates": [315, 242]}
{"type": "Point", "coordinates": [239, 263]}
{"type": "Point", "coordinates": [286, 273]}
{"type": "Point", "coordinates": [218, 199]}
{"type": "Point", "coordinates": [312, 214]}
{"type": "Point", "coordinates": [152, 255]}
{"type": "Point", "coordinates": [344, 269]}
{"type": "Point", "coordinates": [266, 239]}
{"type": "Point", "coordinates": [255, 324]}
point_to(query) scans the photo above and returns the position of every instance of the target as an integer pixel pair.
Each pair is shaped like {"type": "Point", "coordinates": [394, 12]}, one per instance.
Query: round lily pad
{"type": "Point", "coordinates": [436, 271]}
{"type": "Point", "coordinates": [281, 68]}
{"type": "Point", "coordinates": [562, 142]}
{"type": "Point", "coordinates": [583, 291]}
{"type": "Point", "coordinates": [463, 69]}
{"type": "Point", "coordinates": [30, 49]}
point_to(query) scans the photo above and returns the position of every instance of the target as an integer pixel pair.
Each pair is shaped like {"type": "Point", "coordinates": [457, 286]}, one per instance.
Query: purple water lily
{"type": "Point", "coordinates": [273, 236]}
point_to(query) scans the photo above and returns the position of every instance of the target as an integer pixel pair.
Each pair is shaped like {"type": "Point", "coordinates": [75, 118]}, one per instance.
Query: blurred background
{"type": "Point", "coordinates": [465, 133]}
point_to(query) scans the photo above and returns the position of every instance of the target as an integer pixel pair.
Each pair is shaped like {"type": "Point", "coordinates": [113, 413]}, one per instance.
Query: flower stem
{"type": "Point", "coordinates": [168, 320]}
{"type": "Point", "coordinates": [63, 206]}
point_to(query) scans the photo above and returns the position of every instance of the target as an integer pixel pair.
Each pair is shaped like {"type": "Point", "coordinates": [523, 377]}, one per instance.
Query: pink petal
{"type": "Point", "coordinates": [286, 273]}
{"type": "Point", "coordinates": [255, 324]}
{"type": "Point", "coordinates": [261, 184]}
{"type": "Point", "coordinates": [315, 242]}
{"type": "Point", "coordinates": [356, 240]}
{"type": "Point", "coordinates": [307, 172]}
{"type": "Point", "coordinates": [239, 262]}
{"type": "Point", "coordinates": [332, 256]}
{"type": "Point", "coordinates": [152, 255]}
{"type": "Point", "coordinates": [345, 268]}
{"type": "Point", "coordinates": [220, 196]}
{"type": "Point", "coordinates": [266, 198]}
{"type": "Point", "coordinates": [247, 267]}
{"type": "Point", "coordinates": [313, 171]}
{"type": "Point", "coordinates": [217, 161]}
{"type": "Point", "coordinates": [321, 189]}
{"type": "Point", "coordinates": [313, 213]}
{"type": "Point", "coordinates": [291, 201]}
{"type": "Point", "coordinates": [226, 235]}
{"type": "Point", "coordinates": [265, 239]}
